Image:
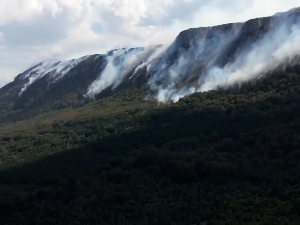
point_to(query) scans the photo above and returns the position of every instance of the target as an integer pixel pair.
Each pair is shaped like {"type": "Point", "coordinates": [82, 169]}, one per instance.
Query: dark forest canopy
{"type": "Point", "coordinates": [220, 157]}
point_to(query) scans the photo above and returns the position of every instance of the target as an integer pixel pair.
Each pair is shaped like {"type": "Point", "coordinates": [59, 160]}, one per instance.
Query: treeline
{"type": "Point", "coordinates": [229, 156]}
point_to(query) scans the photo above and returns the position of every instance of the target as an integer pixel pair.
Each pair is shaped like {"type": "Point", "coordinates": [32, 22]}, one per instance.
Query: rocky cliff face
{"type": "Point", "coordinates": [177, 70]}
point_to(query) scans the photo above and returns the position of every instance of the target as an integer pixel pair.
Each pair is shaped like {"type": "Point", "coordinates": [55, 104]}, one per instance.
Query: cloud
{"type": "Point", "coordinates": [36, 30]}
{"type": "Point", "coordinates": [7, 75]}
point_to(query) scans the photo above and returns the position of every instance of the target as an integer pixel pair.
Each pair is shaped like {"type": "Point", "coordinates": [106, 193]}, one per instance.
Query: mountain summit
{"type": "Point", "coordinates": [199, 59]}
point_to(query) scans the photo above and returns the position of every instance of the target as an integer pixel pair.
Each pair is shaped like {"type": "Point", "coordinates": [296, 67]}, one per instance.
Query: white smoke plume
{"type": "Point", "coordinates": [148, 62]}
{"type": "Point", "coordinates": [278, 48]}
{"type": "Point", "coordinates": [202, 53]}
{"type": "Point", "coordinates": [119, 64]}
{"type": "Point", "coordinates": [177, 71]}
{"type": "Point", "coordinates": [56, 69]}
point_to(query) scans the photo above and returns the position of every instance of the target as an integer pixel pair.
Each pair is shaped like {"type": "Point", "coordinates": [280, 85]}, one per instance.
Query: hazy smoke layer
{"type": "Point", "coordinates": [172, 74]}
{"type": "Point", "coordinates": [56, 69]}
{"type": "Point", "coordinates": [149, 61]}
{"type": "Point", "coordinates": [119, 64]}
{"type": "Point", "coordinates": [198, 60]}
{"type": "Point", "coordinates": [279, 47]}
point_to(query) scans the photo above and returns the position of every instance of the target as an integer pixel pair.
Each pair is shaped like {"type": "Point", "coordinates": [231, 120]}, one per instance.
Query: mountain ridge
{"type": "Point", "coordinates": [190, 64]}
{"type": "Point", "coordinates": [224, 151]}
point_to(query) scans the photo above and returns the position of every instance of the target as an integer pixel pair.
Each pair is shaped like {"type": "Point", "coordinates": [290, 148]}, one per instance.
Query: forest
{"type": "Point", "coordinates": [228, 156]}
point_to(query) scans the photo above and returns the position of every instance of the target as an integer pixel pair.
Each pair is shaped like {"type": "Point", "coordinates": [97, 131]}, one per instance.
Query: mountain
{"type": "Point", "coordinates": [85, 141]}
{"type": "Point", "coordinates": [199, 59]}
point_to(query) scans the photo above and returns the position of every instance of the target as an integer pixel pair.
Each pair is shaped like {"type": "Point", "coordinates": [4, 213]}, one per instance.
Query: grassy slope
{"type": "Point", "coordinates": [222, 157]}
{"type": "Point", "coordinates": [17, 138]}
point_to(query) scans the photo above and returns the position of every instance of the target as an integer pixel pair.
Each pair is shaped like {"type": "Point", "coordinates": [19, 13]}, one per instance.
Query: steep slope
{"type": "Point", "coordinates": [124, 159]}
{"type": "Point", "coordinates": [199, 59]}
{"type": "Point", "coordinates": [62, 84]}
{"type": "Point", "coordinates": [226, 55]}
{"type": "Point", "coordinates": [224, 156]}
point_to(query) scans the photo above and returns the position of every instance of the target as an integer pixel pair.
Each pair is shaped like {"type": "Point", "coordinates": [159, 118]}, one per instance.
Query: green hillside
{"type": "Point", "coordinates": [220, 157]}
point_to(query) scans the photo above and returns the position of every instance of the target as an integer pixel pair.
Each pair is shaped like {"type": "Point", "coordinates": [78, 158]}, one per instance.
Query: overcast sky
{"type": "Point", "coordinates": [35, 30]}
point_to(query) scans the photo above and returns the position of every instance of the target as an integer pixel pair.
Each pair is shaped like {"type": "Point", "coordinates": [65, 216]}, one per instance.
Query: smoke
{"type": "Point", "coordinates": [171, 94]}
{"type": "Point", "coordinates": [198, 60]}
{"type": "Point", "coordinates": [171, 76]}
{"type": "Point", "coordinates": [148, 62]}
{"type": "Point", "coordinates": [56, 69]}
{"type": "Point", "coordinates": [276, 49]}
{"type": "Point", "coordinates": [119, 64]}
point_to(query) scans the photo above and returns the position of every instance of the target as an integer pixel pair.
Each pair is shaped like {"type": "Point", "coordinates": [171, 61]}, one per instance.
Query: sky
{"type": "Point", "coordinates": [32, 31]}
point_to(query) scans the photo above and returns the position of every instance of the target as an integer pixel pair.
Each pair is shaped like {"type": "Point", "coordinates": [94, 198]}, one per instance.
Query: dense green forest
{"type": "Point", "coordinates": [229, 156]}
